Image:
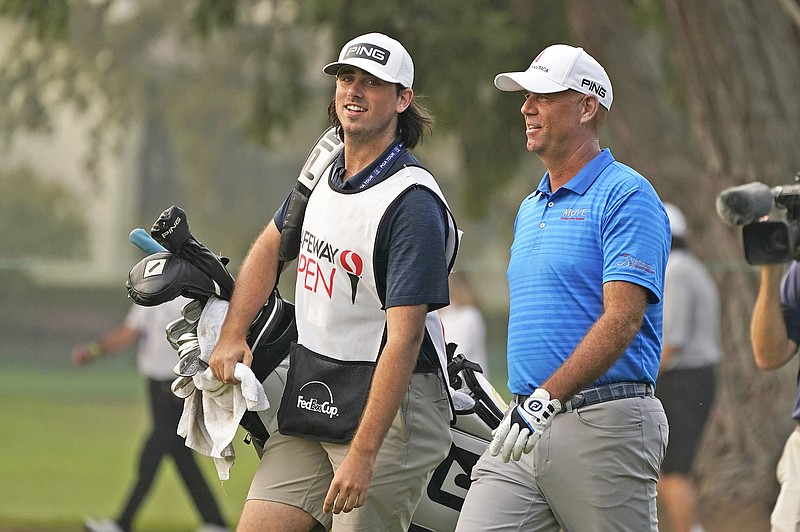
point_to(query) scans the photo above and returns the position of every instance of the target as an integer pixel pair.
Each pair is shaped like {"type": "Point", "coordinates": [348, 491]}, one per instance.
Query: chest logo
{"type": "Point", "coordinates": [353, 264]}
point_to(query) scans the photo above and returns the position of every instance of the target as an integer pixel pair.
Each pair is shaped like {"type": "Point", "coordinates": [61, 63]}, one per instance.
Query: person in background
{"type": "Point", "coordinates": [463, 321]}
{"type": "Point", "coordinates": [687, 377]}
{"type": "Point", "coordinates": [145, 327]}
{"type": "Point", "coordinates": [775, 337]}
{"type": "Point", "coordinates": [580, 447]}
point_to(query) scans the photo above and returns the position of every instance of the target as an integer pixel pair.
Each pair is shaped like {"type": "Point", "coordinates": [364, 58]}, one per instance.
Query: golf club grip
{"type": "Point", "coordinates": [142, 240]}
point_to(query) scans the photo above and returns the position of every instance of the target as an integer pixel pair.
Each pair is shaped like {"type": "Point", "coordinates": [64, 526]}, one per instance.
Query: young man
{"type": "Point", "coordinates": [365, 417]}
{"type": "Point", "coordinates": [581, 445]}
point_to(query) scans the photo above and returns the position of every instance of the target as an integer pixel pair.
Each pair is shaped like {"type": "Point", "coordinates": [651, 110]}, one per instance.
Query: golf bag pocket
{"type": "Point", "coordinates": [324, 397]}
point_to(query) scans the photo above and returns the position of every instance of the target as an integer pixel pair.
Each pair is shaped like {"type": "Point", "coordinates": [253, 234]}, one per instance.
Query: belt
{"type": "Point", "coordinates": [601, 394]}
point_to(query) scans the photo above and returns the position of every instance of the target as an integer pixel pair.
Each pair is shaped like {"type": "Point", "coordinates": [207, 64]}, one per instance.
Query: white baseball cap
{"type": "Point", "coordinates": [677, 221]}
{"type": "Point", "coordinates": [378, 54]}
{"type": "Point", "coordinates": [557, 68]}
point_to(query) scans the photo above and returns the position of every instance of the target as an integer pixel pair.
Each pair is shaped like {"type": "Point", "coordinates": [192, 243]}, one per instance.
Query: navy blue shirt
{"type": "Point", "coordinates": [790, 299]}
{"type": "Point", "coordinates": [410, 263]}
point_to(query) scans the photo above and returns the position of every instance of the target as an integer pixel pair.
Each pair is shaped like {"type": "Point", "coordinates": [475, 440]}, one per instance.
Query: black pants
{"type": "Point", "coordinates": [163, 440]}
{"type": "Point", "coordinates": [688, 396]}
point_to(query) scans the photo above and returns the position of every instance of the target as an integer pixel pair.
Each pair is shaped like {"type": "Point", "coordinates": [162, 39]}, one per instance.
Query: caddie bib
{"type": "Point", "coordinates": [340, 320]}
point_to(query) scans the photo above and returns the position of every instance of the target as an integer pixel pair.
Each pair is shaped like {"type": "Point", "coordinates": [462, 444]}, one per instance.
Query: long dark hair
{"type": "Point", "coordinates": [411, 123]}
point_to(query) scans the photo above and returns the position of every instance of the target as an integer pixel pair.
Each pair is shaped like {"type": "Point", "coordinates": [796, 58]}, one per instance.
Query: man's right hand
{"type": "Point", "coordinates": [225, 356]}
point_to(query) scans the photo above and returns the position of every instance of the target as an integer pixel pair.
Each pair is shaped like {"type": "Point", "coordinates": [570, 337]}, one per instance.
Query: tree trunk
{"type": "Point", "coordinates": [711, 87]}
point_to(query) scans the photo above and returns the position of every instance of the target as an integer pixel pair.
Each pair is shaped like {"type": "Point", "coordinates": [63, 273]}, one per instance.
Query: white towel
{"type": "Point", "coordinates": [212, 413]}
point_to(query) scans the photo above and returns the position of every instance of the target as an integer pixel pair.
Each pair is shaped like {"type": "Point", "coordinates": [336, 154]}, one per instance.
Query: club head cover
{"type": "Point", "coordinates": [171, 229]}
{"type": "Point", "coordinates": [212, 265]}
{"type": "Point", "coordinates": [162, 277]}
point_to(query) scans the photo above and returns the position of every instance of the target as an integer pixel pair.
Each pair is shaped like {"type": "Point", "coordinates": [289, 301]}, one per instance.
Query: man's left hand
{"type": "Point", "coordinates": [350, 483]}
{"type": "Point", "coordinates": [523, 425]}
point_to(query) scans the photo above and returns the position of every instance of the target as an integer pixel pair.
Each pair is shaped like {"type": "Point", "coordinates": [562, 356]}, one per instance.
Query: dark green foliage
{"type": "Point", "coordinates": [48, 18]}
{"type": "Point", "coordinates": [214, 14]}
{"type": "Point", "coordinates": [221, 69]}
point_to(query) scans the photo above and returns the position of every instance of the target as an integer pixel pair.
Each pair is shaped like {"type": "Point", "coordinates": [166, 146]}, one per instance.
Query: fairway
{"type": "Point", "coordinates": [71, 438]}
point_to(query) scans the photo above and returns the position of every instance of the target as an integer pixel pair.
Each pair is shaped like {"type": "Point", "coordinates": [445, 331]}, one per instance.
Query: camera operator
{"type": "Point", "coordinates": [775, 336]}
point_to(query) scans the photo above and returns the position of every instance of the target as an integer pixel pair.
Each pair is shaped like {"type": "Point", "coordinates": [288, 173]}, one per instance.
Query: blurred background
{"type": "Point", "coordinates": [113, 110]}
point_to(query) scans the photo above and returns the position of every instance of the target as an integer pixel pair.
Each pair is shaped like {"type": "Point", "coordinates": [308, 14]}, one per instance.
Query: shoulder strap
{"type": "Point", "coordinates": [321, 156]}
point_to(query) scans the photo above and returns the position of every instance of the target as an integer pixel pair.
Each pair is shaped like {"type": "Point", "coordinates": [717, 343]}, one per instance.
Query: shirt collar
{"type": "Point", "coordinates": [581, 182]}
{"type": "Point", "coordinates": [358, 179]}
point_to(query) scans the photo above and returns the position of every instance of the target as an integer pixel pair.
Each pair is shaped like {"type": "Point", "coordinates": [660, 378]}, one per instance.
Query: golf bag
{"type": "Point", "coordinates": [477, 407]}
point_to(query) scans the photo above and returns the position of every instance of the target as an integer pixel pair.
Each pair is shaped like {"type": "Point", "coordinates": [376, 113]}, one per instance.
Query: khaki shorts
{"type": "Point", "coordinates": [298, 472]}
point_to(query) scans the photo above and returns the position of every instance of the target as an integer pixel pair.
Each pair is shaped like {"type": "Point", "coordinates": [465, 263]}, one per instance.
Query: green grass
{"type": "Point", "coordinates": [71, 439]}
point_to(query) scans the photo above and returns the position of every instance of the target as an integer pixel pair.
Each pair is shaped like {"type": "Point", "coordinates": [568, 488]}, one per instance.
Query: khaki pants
{"type": "Point", "coordinates": [298, 472]}
{"type": "Point", "coordinates": [786, 513]}
{"type": "Point", "coordinates": [595, 468]}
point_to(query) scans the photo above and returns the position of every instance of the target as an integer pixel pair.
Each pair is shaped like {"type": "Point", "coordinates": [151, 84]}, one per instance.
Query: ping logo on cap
{"type": "Point", "coordinates": [594, 87]}
{"type": "Point", "coordinates": [368, 51]}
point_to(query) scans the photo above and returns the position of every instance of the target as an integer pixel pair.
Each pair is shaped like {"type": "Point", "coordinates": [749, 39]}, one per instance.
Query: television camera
{"type": "Point", "coordinates": [768, 242]}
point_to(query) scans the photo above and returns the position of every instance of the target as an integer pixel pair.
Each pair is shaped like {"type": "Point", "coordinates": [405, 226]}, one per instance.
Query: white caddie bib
{"type": "Point", "coordinates": [341, 327]}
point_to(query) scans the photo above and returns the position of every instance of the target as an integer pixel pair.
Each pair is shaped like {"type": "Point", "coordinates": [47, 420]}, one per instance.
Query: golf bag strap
{"type": "Point", "coordinates": [324, 152]}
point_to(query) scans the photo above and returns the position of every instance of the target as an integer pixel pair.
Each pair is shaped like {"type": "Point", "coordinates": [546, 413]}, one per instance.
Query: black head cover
{"type": "Point", "coordinates": [163, 276]}
{"type": "Point", "coordinates": [271, 334]}
{"type": "Point", "coordinates": [172, 231]}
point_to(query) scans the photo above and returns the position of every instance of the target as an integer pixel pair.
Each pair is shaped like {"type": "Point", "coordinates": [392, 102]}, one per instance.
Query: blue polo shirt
{"type": "Point", "coordinates": [790, 299]}
{"type": "Point", "coordinates": [606, 224]}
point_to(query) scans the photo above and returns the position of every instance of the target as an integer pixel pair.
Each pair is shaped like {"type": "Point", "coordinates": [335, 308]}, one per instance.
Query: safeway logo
{"type": "Point", "coordinates": [353, 264]}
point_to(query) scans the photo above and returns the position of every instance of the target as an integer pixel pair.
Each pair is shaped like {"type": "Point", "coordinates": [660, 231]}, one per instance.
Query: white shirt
{"type": "Point", "coordinates": [464, 325]}
{"type": "Point", "coordinates": [155, 356]}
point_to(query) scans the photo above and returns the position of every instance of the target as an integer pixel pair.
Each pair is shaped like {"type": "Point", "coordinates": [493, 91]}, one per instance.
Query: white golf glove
{"type": "Point", "coordinates": [523, 425]}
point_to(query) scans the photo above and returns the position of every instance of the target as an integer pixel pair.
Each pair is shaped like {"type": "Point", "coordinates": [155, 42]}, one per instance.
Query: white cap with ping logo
{"type": "Point", "coordinates": [379, 55]}
{"type": "Point", "coordinates": [558, 68]}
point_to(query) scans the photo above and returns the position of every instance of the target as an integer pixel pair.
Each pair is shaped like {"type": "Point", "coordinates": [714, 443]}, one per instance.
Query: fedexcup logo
{"type": "Point", "coordinates": [368, 51]}
{"type": "Point", "coordinates": [322, 405]}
